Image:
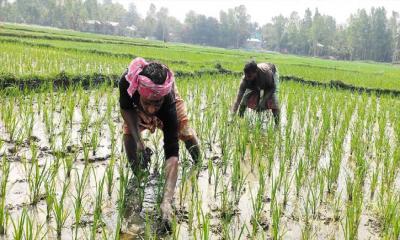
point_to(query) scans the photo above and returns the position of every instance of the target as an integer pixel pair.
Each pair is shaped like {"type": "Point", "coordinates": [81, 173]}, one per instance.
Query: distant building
{"type": "Point", "coordinates": [114, 24]}
{"type": "Point", "coordinates": [253, 43]}
{"type": "Point", "coordinates": [132, 28]}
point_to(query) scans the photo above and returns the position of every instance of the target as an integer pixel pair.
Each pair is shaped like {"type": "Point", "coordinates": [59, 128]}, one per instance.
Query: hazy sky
{"type": "Point", "coordinates": [262, 11]}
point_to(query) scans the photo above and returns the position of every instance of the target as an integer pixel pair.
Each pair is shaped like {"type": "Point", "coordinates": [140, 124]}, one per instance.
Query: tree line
{"type": "Point", "coordinates": [367, 35]}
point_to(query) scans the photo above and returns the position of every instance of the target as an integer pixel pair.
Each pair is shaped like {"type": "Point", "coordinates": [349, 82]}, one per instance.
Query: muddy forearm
{"type": "Point", "coordinates": [238, 100]}
{"type": "Point", "coordinates": [265, 97]}
{"type": "Point", "coordinates": [131, 119]}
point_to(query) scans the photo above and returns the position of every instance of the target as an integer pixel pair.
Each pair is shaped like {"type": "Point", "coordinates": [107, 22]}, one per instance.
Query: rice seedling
{"type": "Point", "coordinates": [5, 171]}
{"type": "Point", "coordinates": [123, 181]}
{"type": "Point", "coordinates": [36, 177]}
{"type": "Point", "coordinates": [205, 233]}
{"type": "Point", "coordinates": [353, 214]}
{"type": "Point", "coordinates": [68, 164]}
{"type": "Point", "coordinates": [97, 214]}
{"type": "Point", "coordinates": [32, 230]}
{"type": "Point", "coordinates": [374, 181]}
{"type": "Point", "coordinates": [276, 229]}
{"type": "Point", "coordinates": [50, 197]}
{"type": "Point", "coordinates": [286, 190]}
{"type": "Point", "coordinates": [82, 180]}
{"type": "Point", "coordinates": [388, 207]}
{"type": "Point", "coordinates": [94, 139]}
{"type": "Point", "coordinates": [299, 175]}
{"type": "Point", "coordinates": [258, 202]}
{"type": "Point", "coordinates": [60, 212]}
{"type": "Point", "coordinates": [110, 176]}
{"type": "Point", "coordinates": [19, 224]}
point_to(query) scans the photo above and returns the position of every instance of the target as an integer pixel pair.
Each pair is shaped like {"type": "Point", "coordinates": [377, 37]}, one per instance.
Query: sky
{"type": "Point", "coordinates": [262, 11]}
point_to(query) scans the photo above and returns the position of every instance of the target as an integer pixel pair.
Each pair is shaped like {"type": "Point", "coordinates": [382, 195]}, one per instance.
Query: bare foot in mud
{"type": "Point", "coordinates": [133, 226]}
{"type": "Point", "coordinates": [166, 216]}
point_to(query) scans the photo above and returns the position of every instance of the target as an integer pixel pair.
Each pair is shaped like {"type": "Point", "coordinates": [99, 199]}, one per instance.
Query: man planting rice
{"type": "Point", "coordinates": [148, 100]}
{"type": "Point", "coordinates": [258, 89]}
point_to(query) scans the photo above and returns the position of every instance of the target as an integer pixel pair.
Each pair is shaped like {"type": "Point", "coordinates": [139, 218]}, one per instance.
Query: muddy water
{"type": "Point", "coordinates": [197, 193]}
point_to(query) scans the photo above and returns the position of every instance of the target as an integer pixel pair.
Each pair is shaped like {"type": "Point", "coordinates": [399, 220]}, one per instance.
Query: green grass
{"type": "Point", "coordinates": [32, 51]}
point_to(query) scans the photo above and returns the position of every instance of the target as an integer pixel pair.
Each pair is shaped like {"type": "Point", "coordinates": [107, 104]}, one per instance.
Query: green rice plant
{"type": "Point", "coordinates": [48, 116]}
{"type": "Point", "coordinates": [227, 206]}
{"type": "Point", "coordinates": [5, 171]}
{"type": "Point", "coordinates": [388, 208]}
{"type": "Point", "coordinates": [28, 118]}
{"type": "Point", "coordinates": [217, 181]}
{"type": "Point", "coordinates": [65, 136]}
{"type": "Point", "coordinates": [110, 176]}
{"type": "Point", "coordinates": [320, 184]}
{"type": "Point", "coordinates": [286, 190]}
{"type": "Point", "coordinates": [306, 232]}
{"type": "Point", "coordinates": [334, 164]}
{"type": "Point", "coordinates": [54, 168]}
{"type": "Point", "coordinates": [312, 199]}
{"type": "Point", "coordinates": [94, 139]}
{"type": "Point", "coordinates": [50, 197]}
{"type": "Point", "coordinates": [148, 233]}
{"type": "Point", "coordinates": [32, 231]}
{"type": "Point", "coordinates": [86, 152]}
{"type": "Point", "coordinates": [97, 214]}
{"type": "Point", "coordinates": [257, 202]}
{"type": "Point", "coordinates": [68, 164]}
{"type": "Point", "coordinates": [395, 233]}
{"type": "Point", "coordinates": [299, 176]}
{"type": "Point", "coordinates": [282, 171]}
{"type": "Point", "coordinates": [10, 120]}
{"type": "Point", "coordinates": [81, 182]}
{"type": "Point", "coordinates": [70, 108]}
{"type": "Point", "coordinates": [276, 221]}
{"type": "Point", "coordinates": [349, 187]}
{"type": "Point", "coordinates": [85, 116]}
{"type": "Point", "coordinates": [353, 214]}
{"type": "Point", "coordinates": [183, 187]}
{"type": "Point", "coordinates": [19, 224]}
{"type": "Point", "coordinates": [176, 228]}
{"type": "Point", "coordinates": [36, 177]}
{"type": "Point", "coordinates": [306, 210]}
{"type": "Point", "coordinates": [210, 169]}
{"type": "Point", "coordinates": [191, 214]}
{"type": "Point", "coordinates": [123, 182]}
{"type": "Point", "coordinates": [274, 190]}
{"type": "Point", "coordinates": [60, 212]}
{"type": "Point", "coordinates": [253, 156]}
{"type": "Point", "coordinates": [337, 203]}
{"type": "Point", "coordinates": [270, 150]}
{"type": "Point", "coordinates": [205, 226]}
{"type": "Point", "coordinates": [374, 181]}
{"type": "Point", "coordinates": [113, 140]}
{"type": "Point", "coordinates": [237, 179]}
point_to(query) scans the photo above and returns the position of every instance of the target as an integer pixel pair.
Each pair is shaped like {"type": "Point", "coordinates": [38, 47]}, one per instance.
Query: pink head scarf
{"type": "Point", "coordinates": [146, 87]}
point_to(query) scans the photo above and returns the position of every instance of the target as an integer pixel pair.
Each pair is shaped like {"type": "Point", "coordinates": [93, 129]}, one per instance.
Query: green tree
{"type": "Point", "coordinates": [359, 35]}
{"type": "Point", "coordinates": [293, 33]}
{"type": "Point", "coordinates": [149, 24]}
{"type": "Point", "coordinates": [161, 31]}
{"type": "Point", "coordinates": [380, 36]}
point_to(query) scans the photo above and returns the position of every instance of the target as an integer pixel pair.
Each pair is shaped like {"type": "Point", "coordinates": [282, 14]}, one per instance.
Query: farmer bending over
{"type": "Point", "coordinates": [258, 89]}
{"type": "Point", "coordinates": [149, 99]}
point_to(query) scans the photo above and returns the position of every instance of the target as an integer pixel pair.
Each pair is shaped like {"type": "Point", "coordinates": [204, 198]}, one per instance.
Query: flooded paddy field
{"type": "Point", "coordinates": [329, 171]}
